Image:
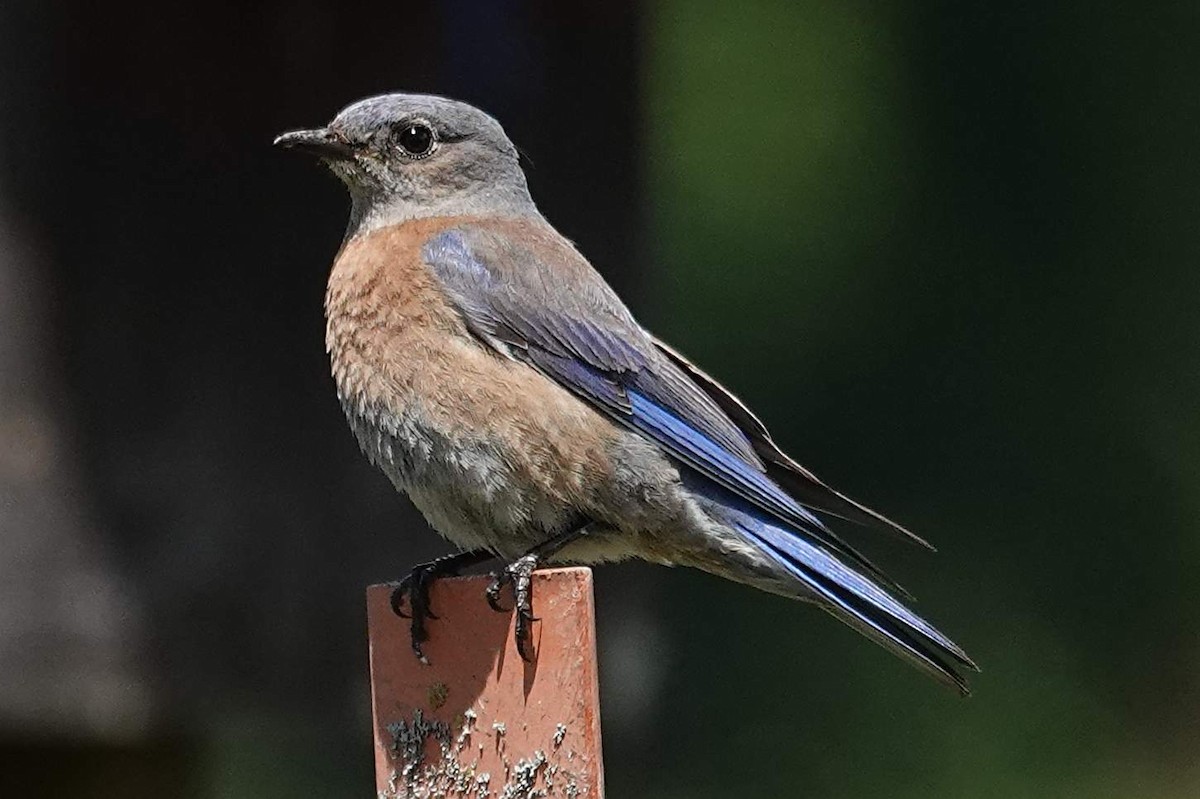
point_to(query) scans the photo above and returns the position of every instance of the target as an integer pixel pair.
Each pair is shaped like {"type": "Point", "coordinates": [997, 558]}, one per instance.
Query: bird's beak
{"type": "Point", "coordinates": [321, 142]}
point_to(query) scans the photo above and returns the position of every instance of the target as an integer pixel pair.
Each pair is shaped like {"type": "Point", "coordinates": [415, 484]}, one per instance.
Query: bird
{"type": "Point", "coordinates": [493, 375]}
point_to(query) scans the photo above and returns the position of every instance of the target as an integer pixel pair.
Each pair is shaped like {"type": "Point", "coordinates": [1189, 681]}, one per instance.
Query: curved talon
{"type": "Point", "coordinates": [492, 594]}
{"type": "Point", "coordinates": [519, 575]}
{"type": "Point", "coordinates": [524, 637]}
{"type": "Point", "coordinates": [423, 579]}
{"type": "Point", "coordinates": [396, 600]}
{"type": "Point", "coordinates": [416, 648]}
{"type": "Point", "coordinates": [415, 585]}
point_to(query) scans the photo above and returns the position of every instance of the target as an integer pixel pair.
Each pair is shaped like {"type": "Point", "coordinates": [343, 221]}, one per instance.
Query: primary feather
{"type": "Point", "coordinates": [588, 341]}
{"type": "Point", "coordinates": [585, 339]}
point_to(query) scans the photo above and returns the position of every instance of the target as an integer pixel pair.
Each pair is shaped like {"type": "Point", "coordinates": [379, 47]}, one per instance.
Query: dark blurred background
{"type": "Point", "coordinates": [949, 251]}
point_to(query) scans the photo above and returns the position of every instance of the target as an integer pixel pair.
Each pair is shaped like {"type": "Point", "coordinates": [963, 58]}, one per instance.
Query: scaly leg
{"type": "Point", "coordinates": [519, 574]}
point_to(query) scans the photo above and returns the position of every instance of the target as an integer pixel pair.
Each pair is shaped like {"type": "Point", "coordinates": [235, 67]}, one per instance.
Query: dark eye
{"type": "Point", "coordinates": [416, 139]}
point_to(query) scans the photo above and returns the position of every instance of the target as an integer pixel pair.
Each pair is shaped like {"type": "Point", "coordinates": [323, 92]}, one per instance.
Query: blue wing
{"type": "Point", "coordinates": [800, 483]}
{"type": "Point", "coordinates": [582, 335]}
{"type": "Point", "coordinates": [579, 333]}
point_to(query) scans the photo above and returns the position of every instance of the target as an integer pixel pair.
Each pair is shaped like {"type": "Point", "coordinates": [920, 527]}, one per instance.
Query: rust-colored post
{"type": "Point", "coordinates": [478, 721]}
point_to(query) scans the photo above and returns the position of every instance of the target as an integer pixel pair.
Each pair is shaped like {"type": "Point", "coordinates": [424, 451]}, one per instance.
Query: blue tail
{"type": "Point", "coordinates": [844, 592]}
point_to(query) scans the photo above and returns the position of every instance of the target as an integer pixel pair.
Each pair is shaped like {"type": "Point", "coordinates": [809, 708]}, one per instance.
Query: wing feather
{"type": "Point", "coordinates": [581, 336]}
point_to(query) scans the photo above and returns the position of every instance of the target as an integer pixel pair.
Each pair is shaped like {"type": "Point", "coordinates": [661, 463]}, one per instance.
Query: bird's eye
{"type": "Point", "coordinates": [415, 139]}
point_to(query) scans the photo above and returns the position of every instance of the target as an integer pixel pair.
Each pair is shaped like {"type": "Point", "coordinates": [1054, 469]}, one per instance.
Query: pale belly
{"type": "Point", "coordinates": [479, 494]}
{"type": "Point", "coordinates": [474, 490]}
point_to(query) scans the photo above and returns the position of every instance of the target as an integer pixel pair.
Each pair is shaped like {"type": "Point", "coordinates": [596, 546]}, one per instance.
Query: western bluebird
{"type": "Point", "coordinates": [493, 375]}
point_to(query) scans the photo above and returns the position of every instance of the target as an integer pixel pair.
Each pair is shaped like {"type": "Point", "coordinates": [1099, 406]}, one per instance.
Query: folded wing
{"type": "Point", "coordinates": [543, 304]}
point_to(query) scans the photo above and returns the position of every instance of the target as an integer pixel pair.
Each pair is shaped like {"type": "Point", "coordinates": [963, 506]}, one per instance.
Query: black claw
{"type": "Point", "coordinates": [416, 648]}
{"type": "Point", "coordinates": [423, 580]}
{"type": "Point", "coordinates": [518, 574]}
{"type": "Point", "coordinates": [416, 587]}
{"type": "Point", "coordinates": [492, 594]}
{"type": "Point", "coordinates": [397, 598]}
{"type": "Point", "coordinates": [524, 636]}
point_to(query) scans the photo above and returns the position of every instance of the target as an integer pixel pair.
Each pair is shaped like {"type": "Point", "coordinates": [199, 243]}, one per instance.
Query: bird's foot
{"type": "Point", "coordinates": [518, 574]}
{"type": "Point", "coordinates": [416, 586]}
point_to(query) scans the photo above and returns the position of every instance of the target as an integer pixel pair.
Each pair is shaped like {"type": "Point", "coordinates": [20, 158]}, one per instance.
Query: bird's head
{"type": "Point", "coordinates": [407, 156]}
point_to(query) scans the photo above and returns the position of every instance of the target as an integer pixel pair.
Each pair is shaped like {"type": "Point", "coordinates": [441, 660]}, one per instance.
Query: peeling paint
{"type": "Point", "coordinates": [454, 772]}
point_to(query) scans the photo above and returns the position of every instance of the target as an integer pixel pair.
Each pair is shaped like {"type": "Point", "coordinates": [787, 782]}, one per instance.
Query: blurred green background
{"type": "Point", "coordinates": [947, 251]}
{"type": "Point", "coordinates": [950, 255]}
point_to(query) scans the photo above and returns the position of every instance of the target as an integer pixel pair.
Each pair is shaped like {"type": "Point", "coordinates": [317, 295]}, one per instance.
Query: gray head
{"type": "Point", "coordinates": [405, 156]}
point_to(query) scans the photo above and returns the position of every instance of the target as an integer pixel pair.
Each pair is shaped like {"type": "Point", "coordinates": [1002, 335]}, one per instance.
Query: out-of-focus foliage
{"type": "Point", "coordinates": [950, 254]}
{"type": "Point", "coordinates": [948, 251]}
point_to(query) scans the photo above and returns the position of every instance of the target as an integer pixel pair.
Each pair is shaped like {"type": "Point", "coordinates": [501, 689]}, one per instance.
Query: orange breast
{"type": "Point", "coordinates": [416, 379]}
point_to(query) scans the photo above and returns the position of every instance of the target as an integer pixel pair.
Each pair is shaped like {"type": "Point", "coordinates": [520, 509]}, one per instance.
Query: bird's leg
{"type": "Point", "coordinates": [519, 574]}
{"type": "Point", "coordinates": [416, 586]}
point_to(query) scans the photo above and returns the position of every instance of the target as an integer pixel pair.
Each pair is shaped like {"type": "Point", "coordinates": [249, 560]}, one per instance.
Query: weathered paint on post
{"type": "Point", "coordinates": [478, 721]}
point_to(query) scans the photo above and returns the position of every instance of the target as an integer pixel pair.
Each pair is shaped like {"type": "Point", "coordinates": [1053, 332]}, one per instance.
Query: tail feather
{"type": "Point", "coordinates": [848, 595]}
{"type": "Point", "coordinates": [804, 486]}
